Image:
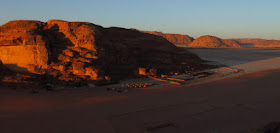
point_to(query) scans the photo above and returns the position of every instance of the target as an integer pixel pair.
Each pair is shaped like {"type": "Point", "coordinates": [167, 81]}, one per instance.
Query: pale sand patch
{"type": "Point", "coordinates": [238, 70]}
{"type": "Point", "coordinates": [260, 65]}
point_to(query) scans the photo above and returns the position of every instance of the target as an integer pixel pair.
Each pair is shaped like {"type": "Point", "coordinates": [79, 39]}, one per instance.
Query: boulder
{"type": "Point", "coordinates": [142, 71]}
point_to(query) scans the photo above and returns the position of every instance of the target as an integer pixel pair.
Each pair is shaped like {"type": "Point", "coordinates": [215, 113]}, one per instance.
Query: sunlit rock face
{"type": "Point", "coordinates": [213, 42]}
{"type": "Point", "coordinates": [22, 45]}
{"type": "Point", "coordinates": [81, 49]}
{"type": "Point", "coordinates": [176, 39]}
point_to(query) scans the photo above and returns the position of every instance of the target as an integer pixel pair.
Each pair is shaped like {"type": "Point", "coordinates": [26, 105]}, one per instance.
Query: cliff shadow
{"type": "Point", "coordinates": [246, 45]}
{"type": "Point", "coordinates": [14, 77]}
{"type": "Point", "coordinates": [19, 78]}
{"type": "Point", "coordinates": [57, 42]}
{"type": "Point", "coordinates": [15, 67]}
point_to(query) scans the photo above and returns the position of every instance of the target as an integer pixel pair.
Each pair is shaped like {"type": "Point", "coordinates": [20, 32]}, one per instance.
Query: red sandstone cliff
{"type": "Point", "coordinates": [67, 50]}
{"type": "Point", "coordinates": [176, 39]}
{"type": "Point", "coordinates": [22, 39]}
{"type": "Point", "coordinates": [256, 42]}
{"type": "Point", "coordinates": [268, 44]}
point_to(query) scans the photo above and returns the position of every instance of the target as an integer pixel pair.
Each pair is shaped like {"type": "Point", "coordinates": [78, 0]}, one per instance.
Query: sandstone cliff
{"type": "Point", "coordinates": [176, 39]}
{"type": "Point", "coordinates": [247, 42]}
{"type": "Point", "coordinates": [213, 42]}
{"type": "Point", "coordinates": [22, 44]}
{"type": "Point", "coordinates": [268, 44]}
{"type": "Point", "coordinates": [70, 50]}
{"type": "Point", "coordinates": [256, 42]}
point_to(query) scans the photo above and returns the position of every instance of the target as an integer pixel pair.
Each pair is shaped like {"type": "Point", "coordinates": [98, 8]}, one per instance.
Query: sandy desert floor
{"type": "Point", "coordinates": [249, 59]}
{"type": "Point", "coordinates": [239, 103]}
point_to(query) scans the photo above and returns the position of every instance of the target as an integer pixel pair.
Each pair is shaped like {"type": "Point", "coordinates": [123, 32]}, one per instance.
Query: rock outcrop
{"type": "Point", "coordinates": [71, 50]}
{"type": "Point", "coordinates": [176, 39]}
{"type": "Point", "coordinates": [22, 45]}
{"type": "Point", "coordinates": [268, 44]}
{"type": "Point", "coordinates": [213, 42]}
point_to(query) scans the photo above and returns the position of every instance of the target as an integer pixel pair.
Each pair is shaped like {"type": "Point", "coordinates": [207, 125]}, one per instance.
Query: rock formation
{"type": "Point", "coordinates": [256, 42]}
{"type": "Point", "coordinates": [230, 43]}
{"type": "Point", "coordinates": [22, 45]}
{"type": "Point", "coordinates": [213, 42]}
{"type": "Point", "coordinates": [247, 42]}
{"type": "Point", "coordinates": [176, 39]}
{"type": "Point", "coordinates": [268, 44]}
{"type": "Point", "coordinates": [71, 50]}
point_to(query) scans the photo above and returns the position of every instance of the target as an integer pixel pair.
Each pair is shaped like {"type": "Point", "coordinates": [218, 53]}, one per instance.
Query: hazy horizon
{"type": "Point", "coordinates": [224, 19]}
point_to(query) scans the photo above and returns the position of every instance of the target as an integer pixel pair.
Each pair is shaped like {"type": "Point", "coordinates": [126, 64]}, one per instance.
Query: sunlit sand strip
{"type": "Point", "coordinates": [172, 82]}
{"type": "Point", "coordinates": [176, 79]}
{"type": "Point", "coordinates": [260, 65]}
{"type": "Point", "coordinates": [254, 66]}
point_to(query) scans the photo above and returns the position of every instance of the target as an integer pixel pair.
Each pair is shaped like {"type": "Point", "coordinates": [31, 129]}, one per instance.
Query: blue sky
{"type": "Point", "coordinates": [222, 18]}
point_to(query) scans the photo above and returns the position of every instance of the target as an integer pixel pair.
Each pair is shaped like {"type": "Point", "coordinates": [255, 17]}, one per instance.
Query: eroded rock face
{"type": "Point", "coordinates": [213, 42]}
{"type": "Point", "coordinates": [22, 45]}
{"type": "Point", "coordinates": [176, 39]}
{"type": "Point", "coordinates": [71, 50]}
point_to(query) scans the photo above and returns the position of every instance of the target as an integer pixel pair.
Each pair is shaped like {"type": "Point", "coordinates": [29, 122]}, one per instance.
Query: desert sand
{"type": "Point", "coordinates": [239, 103]}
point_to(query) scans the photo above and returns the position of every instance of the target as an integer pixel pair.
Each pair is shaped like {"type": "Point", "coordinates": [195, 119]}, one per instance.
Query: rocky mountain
{"type": "Point", "coordinates": [268, 44]}
{"type": "Point", "coordinates": [208, 41]}
{"type": "Point", "coordinates": [71, 50]}
{"type": "Point", "coordinates": [176, 39]}
{"type": "Point", "coordinates": [256, 42]}
{"type": "Point", "coordinates": [247, 42]}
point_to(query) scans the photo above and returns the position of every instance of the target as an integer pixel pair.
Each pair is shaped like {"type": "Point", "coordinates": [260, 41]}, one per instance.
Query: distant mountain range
{"type": "Point", "coordinates": [257, 42]}
{"type": "Point", "coordinates": [208, 41]}
{"type": "Point", "coordinates": [176, 39]}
